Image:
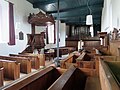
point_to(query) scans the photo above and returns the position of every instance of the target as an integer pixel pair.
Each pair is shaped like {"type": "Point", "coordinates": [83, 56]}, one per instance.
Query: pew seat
{"type": "Point", "coordinates": [25, 64]}
{"type": "Point", "coordinates": [11, 69]}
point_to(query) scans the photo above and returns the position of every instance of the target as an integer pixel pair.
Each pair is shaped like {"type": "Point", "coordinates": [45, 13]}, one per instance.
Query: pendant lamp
{"type": "Point", "coordinates": [89, 19]}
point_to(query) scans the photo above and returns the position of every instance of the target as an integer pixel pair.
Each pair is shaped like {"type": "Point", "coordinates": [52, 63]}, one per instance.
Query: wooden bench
{"type": "Point", "coordinates": [25, 64]}
{"type": "Point", "coordinates": [40, 56]}
{"type": "Point", "coordinates": [68, 60]}
{"type": "Point", "coordinates": [1, 76]}
{"type": "Point", "coordinates": [34, 60]}
{"type": "Point", "coordinates": [72, 79]}
{"type": "Point", "coordinates": [83, 57]}
{"type": "Point", "coordinates": [107, 79]}
{"type": "Point", "coordinates": [11, 69]}
{"type": "Point", "coordinates": [39, 80]}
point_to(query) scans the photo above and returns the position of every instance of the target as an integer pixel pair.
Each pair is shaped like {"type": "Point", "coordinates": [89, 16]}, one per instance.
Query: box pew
{"type": "Point", "coordinates": [73, 60]}
{"type": "Point", "coordinates": [75, 79]}
{"type": "Point", "coordinates": [72, 79]}
{"type": "Point", "coordinates": [84, 57]}
{"type": "Point", "coordinates": [107, 78]}
{"type": "Point", "coordinates": [34, 60]}
{"type": "Point", "coordinates": [39, 80]}
{"type": "Point", "coordinates": [25, 64]}
{"type": "Point", "coordinates": [1, 76]}
{"type": "Point", "coordinates": [86, 64]}
{"type": "Point", "coordinates": [110, 58]}
{"type": "Point", "coordinates": [68, 60]}
{"type": "Point", "coordinates": [11, 69]}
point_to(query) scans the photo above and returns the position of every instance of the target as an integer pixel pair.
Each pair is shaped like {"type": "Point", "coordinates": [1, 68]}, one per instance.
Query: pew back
{"type": "Point", "coordinates": [106, 78]}
{"type": "Point", "coordinates": [39, 80]}
{"type": "Point", "coordinates": [1, 76]}
{"type": "Point", "coordinates": [40, 56]}
{"type": "Point", "coordinates": [83, 57]}
{"type": "Point", "coordinates": [68, 59]}
{"type": "Point", "coordinates": [11, 69]}
{"type": "Point", "coordinates": [72, 79]}
{"type": "Point", "coordinates": [25, 64]}
{"type": "Point", "coordinates": [34, 60]}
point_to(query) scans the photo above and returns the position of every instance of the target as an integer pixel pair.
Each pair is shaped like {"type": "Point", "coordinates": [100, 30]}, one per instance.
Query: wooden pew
{"type": "Point", "coordinates": [68, 60]}
{"type": "Point", "coordinates": [34, 60]}
{"type": "Point", "coordinates": [92, 83]}
{"type": "Point", "coordinates": [25, 64]}
{"type": "Point", "coordinates": [40, 56]}
{"type": "Point", "coordinates": [107, 79]}
{"type": "Point", "coordinates": [1, 76]}
{"type": "Point", "coordinates": [39, 80]}
{"type": "Point", "coordinates": [11, 69]}
{"type": "Point", "coordinates": [72, 79]}
{"type": "Point", "coordinates": [83, 57]}
{"type": "Point", "coordinates": [86, 64]}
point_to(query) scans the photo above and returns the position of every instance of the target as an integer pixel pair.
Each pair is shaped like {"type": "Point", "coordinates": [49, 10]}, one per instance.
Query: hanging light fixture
{"type": "Point", "coordinates": [89, 19]}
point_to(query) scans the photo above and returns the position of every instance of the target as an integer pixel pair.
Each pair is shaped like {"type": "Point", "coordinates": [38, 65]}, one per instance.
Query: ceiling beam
{"type": "Point", "coordinates": [80, 18]}
{"type": "Point", "coordinates": [81, 23]}
{"type": "Point", "coordinates": [80, 14]}
{"type": "Point", "coordinates": [40, 4]}
{"type": "Point", "coordinates": [77, 8]}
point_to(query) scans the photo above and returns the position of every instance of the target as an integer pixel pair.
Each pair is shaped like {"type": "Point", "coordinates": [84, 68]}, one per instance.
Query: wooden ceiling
{"type": "Point", "coordinates": [72, 11]}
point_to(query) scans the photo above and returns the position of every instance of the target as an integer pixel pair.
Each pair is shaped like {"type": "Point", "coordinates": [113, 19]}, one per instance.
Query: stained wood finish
{"type": "Point", "coordinates": [83, 57]}
{"type": "Point", "coordinates": [86, 64]}
{"type": "Point", "coordinates": [90, 44]}
{"type": "Point", "coordinates": [72, 79]}
{"type": "Point", "coordinates": [11, 69]}
{"type": "Point", "coordinates": [34, 60]}
{"type": "Point", "coordinates": [106, 78]}
{"type": "Point", "coordinates": [68, 59]}
{"type": "Point", "coordinates": [92, 83]}
{"type": "Point", "coordinates": [1, 76]}
{"type": "Point", "coordinates": [41, 58]}
{"type": "Point", "coordinates": [72, 44]}
{"type": "Point", "coordinates": [39, 80]}
{"type": "Point", "coordinates": [25, 64]}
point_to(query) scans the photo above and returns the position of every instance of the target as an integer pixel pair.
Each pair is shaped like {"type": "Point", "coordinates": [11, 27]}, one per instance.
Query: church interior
{"type": "Point", "coordinates": [59, 45]}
